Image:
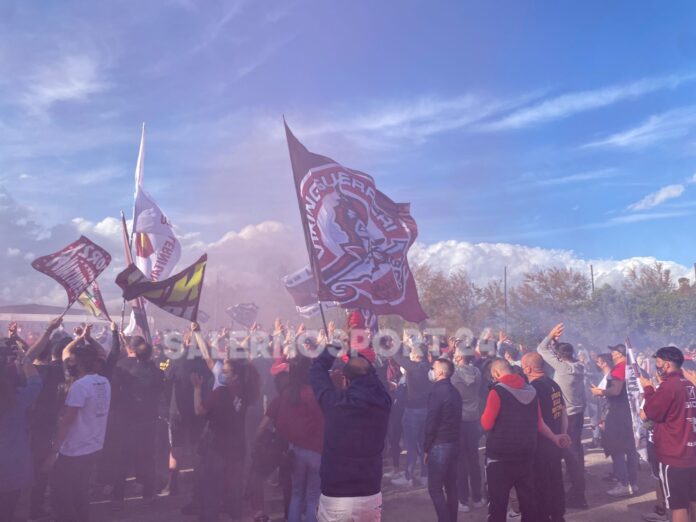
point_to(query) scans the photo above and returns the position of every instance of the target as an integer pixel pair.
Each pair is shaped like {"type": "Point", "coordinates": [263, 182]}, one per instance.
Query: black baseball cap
{"type": "Point", "coordinates": [621, 348]}
{"type": "Point", "coordinates": [670, 353]}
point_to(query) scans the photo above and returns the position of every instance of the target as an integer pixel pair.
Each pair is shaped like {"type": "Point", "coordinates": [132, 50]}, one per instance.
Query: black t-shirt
{"type": "Point", "coordinates": [136, 388]}
{"type": "Point", "coordinates": [551, 405]}
{"type": "Point", "coordinates": [179, 375]}
{"type": "Point", "coordinates": [44, 412]}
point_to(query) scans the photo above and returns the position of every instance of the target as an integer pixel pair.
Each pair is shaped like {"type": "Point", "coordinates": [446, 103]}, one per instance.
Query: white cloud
{"type": "Point", "coordinates": [657, 198]}
{"type": "Point", "coordinates": [580, 176]}
{"type": "Point", "coordinates": [484, 262]}
{"type": "Point", "coordinates": [72, 77]}
{"type": "Point", "coordinates": [12, 252]}
{"type": "Point", "coordinates": [575, 102]}
{"type": "Point", "coordinates": [656, 128]}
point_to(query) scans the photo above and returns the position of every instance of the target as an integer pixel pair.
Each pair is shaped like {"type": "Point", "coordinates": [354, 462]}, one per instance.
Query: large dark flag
{"type": "Point", "coordinates": [356, 236]}
{"type": "Point", "coordinates": [244, 313]}
{"type": "Point", "coordinates": [179, 294]}
{"type": "Point", "coordinates": [74, 267]}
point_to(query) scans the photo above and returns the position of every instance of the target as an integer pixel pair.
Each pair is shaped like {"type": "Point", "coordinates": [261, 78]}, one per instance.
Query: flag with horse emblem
{"type": "Point", "coordinates": [357, 237]}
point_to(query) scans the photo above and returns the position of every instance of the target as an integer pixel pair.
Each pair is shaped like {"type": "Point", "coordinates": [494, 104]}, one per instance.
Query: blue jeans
{"type": "Point", "coordinates": [625, 467]}
{"type": "Point", "coordinates": [414, 435]}
{"type": "Point", "coordinates": [305, 485]}
{"type": "Point", "coordinates": [442, 480]}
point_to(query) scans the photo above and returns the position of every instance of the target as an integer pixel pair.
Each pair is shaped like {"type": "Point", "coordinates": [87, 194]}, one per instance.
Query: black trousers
{"type": "Point", "coordinates": [70, 487]}
{"type": "Point", "coordinates": [468, 466]}
{"type": "Point", "coordinates": [574, 457]}
{"type": "Point", "coordinates": [548, 482]}
{"type": "Point", "coordinates": [8, 504]}
{"type": "Point", "coordinates": [136, 453]}
{"type": "Point", "coordinates": [40, 450]}
{"type": "Point", "coordinates": [501, 477]}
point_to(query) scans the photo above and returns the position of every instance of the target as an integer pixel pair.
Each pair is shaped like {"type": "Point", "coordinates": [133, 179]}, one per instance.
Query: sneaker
{"type": "Point", "coordinates": [392, 474]}
{"type": "Point", "coordinates": [513, 515]}
{"type": "Point", "coordinates": [463, 508]}
{"type": "Point", "coordinates": [634, 489]}
{"type": "Point", "coordinates": [655, 517]}
{"type": "Point", "coordinates": [402, 482]}
{"type": "Point", "coordinates": [478, 504]}
{"type": "Point", "coordinates": [619, 491]}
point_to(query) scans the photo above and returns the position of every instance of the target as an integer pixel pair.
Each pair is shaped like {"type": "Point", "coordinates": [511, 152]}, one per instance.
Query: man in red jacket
{"type": "Point", "coordinates": [672, 407]}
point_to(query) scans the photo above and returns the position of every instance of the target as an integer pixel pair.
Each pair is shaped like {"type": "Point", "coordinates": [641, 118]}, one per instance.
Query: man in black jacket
{"type": "Point", "coordinates": [441, 440]}
{"type": "Point", "coordinates": [355, 426]}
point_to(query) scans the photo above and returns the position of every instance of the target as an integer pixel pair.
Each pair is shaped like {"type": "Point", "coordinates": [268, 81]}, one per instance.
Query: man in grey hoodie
{"type": "Point", "coordinates": [569, 374]}
{"type": "Point", "coordinates": [467, 381]}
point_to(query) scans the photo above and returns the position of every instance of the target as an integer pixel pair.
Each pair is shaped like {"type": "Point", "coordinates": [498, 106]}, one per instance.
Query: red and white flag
{"type": "Point", "coordinates": [356, 236]}
{"type": "Point", "coordinates": [157, 250]}
{"type": "Point", "coordinates": [74, 267]}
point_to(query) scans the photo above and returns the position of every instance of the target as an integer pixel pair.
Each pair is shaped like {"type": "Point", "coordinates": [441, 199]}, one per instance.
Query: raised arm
{"type": "Point", "coordinates": [324, 389]}
{"type": "Point", "coordinates": [202, 345]}
{"type": "Point", "coordinates": [41, 343]}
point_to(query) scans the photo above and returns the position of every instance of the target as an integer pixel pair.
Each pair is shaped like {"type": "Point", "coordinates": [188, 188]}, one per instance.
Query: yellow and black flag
{"type": "Point", "coordinates": [179, 294]}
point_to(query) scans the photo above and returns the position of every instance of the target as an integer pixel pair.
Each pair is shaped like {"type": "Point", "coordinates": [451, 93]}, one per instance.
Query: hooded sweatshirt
{"type": "Point", "coordinates": [355, 427]}
{"type": "Point", "coordinates": [467, 381]}
{"type": "Point", "coordinates": [569, 375]}
{"type": "Point", "coordinates": [512, 418]}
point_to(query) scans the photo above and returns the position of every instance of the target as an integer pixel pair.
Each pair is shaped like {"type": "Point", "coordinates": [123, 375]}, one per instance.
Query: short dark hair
{"type": "Point", "coordinates": [606, 358]}
{"type": "Point", "coordinates": [510, 350]}
{"type": "Point", "coordinates": [143, 351]}
{"type": "Point", "coordinates": [356, 367]}
{"type": "Point", "coordinates": [87, 357]}
{"type": "Point", "coordinates": [671, 354]}
{"type": "Point", "coordinates": [565, 351]}
{"type": "Point", "coordinates": [448, 364]}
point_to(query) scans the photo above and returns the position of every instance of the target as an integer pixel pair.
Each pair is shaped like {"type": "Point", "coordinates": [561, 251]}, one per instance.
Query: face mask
{"type": "Point", "coordinates": [224, 379]}
{"type": "Point", "coordinates": [431, 375]}
{"type": "Point", "coordinates": [660, 370]}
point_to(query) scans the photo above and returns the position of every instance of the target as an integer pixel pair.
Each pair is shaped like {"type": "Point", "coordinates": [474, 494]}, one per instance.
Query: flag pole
{"type": "Point", "coordinates": [125, 236]}
{"type": "Point", "coordinates": [305, 228]}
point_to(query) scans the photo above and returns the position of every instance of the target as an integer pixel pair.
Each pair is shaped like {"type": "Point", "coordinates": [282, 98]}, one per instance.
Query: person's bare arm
{"type": "Point", "coordinates": [41, 343]}
{"type": "Point", "coordinates": [93, 343]}
{"type": "Point", "coordinates": [197, 382]}
{"type": "Point", "coordinates": [264, 425]}
{"type": "Point", "coordinates": [202, 344]}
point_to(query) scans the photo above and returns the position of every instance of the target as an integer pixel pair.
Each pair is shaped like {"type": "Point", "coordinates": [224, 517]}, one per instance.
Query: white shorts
{"type": "Point", "coordinates": [350, 509]}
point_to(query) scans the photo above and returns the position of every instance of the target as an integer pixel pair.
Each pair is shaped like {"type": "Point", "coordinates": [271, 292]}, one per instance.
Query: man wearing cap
{"type": "Point", "coordinates": [618, 439]}
{"type": "Point", "coordinates": [672, 408]}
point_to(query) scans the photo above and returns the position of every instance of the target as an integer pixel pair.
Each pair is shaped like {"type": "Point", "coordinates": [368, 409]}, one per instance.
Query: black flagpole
{"type": "Point", "coordinates": [308, 242]}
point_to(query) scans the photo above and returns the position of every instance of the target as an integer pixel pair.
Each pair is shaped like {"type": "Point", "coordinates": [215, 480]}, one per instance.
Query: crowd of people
{"type": "Point", "coordinates": [81, 413]}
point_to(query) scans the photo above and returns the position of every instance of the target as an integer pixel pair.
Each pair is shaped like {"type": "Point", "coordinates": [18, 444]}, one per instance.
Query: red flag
{"type": "Point", "coordinates": [356, 236]}
{"type": "Point", "coordinates": [75, 266]}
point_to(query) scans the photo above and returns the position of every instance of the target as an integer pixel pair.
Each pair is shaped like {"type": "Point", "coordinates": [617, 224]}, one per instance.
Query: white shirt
{"type": "Point", "coordinates": [92, 395]}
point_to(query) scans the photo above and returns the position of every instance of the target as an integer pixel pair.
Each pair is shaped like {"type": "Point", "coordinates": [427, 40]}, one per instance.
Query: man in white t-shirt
{"type": "Point", "coordinates": [79, 437]}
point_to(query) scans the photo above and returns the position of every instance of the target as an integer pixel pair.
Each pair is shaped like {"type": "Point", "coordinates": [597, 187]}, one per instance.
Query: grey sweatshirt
{"type": "Point", "coordinates": [570, 376]}
{"type": "Point", "coordinates": [467, 380]}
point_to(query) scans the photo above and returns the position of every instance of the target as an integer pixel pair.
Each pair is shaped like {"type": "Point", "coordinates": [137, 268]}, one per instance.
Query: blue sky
{"type": "Point", "coordinates": [549, 124]}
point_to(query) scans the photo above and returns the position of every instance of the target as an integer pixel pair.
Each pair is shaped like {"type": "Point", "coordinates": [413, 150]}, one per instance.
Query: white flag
{"type": "Point", "coordinates": [157, 250]}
